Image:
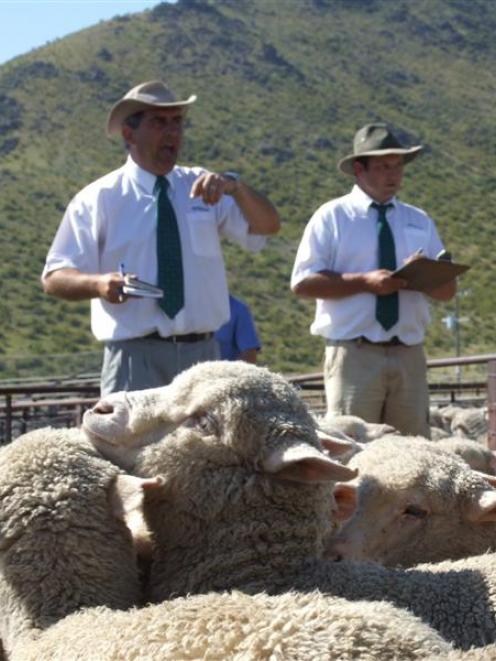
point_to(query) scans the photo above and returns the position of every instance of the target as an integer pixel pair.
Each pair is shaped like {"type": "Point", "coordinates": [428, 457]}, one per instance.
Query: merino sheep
{"type": "Point", "coordinates": [474, 453]}
{"type": "Point", "coordinates": [245, 504]}
{"type": "Point", "coordinates": [416, 503]}
{"type": "Point", "coordinates": [64, 544]}
{"type": "Point", "coordinates": [58, 530]}
{"type": "Point", "coordinates": [289, 627]}
{"type": "Point", "coordinates": [243, 437]}
{"type": "Point", "coordinates": [467, 422]}
{"type": "Point", "coordinates": [353, 426]}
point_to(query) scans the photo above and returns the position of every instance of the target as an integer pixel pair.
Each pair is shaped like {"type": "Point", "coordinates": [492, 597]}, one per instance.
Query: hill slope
{"type": "Point", "coordinates": [282, 87]}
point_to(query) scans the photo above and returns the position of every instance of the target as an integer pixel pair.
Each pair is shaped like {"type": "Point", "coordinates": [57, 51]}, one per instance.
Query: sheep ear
{"type": "Point", "coordinates": [304, 463]}
{"type": "Point", "coordinates": [483, 510]}
{"type": "Point", "coordinates": [346, 496]}
{"type": "Point", "coordinates": [126, 501]}
{"type": "Point", "coordinates": [336, 445]}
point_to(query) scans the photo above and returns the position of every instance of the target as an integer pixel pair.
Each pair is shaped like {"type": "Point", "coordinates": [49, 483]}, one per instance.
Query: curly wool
{"type": "Point", "coordinates": [222, 522]}
{"type": "Point", "coordinates": [61, 546]}
{"type": "Point", "coordinates": [291, 627]}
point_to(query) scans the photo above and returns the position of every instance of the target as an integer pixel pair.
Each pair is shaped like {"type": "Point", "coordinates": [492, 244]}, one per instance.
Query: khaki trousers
{"type": "Point", "coordinates": [378, 383]}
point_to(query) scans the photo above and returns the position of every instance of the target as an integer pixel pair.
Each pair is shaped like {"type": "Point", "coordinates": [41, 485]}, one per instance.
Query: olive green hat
{"type": "Point", "coordinates": [376, 140]}
{"type": "Point", "coordinates": [153, 94]}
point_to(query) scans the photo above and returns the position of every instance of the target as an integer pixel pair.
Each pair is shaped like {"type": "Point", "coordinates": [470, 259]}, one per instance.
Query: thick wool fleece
{"type": "Point", "coordinates": [61, 545]}
{"type": "Point", "coordinates": [292, 627]}
{"type": "Point", "coordinates": [223, 521]}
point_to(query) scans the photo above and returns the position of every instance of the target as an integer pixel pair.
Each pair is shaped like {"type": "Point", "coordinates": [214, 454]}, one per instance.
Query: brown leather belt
{"type": "Point", "coordinates": [393, 342]}
{"type": "Point", "coordinates": [189, 337]}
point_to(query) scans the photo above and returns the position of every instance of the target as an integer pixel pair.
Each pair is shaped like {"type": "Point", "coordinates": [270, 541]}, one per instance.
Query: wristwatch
{"type": "Point", "coordinates": [232, 175]}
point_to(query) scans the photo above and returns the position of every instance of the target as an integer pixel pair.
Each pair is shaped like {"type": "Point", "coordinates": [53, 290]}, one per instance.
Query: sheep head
{"type": "Point", "coordinates": [255, 414]}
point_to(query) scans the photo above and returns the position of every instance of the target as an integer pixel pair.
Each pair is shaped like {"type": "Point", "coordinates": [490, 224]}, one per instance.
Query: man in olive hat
{"type": "Point", "coordinates": [374, 329]}
{"type": "Point", "coordinates": [162, 223]}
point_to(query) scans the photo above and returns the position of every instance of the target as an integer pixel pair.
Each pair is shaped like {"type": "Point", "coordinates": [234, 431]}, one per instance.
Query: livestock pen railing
{"type": "Point", "coordinates": [61, 401]}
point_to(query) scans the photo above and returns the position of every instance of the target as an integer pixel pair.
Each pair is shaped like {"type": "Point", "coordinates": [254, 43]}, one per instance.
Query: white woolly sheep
{"type": "Point", "coordinates": [353, 426]}
{"type": "Point", "coordinates": [57, 523]}
{"type": "Point", "coordinates": [476, 455]}
{"type": "Point", "coordinates": [63, 541]}
{"type": "Point", "coordinates": [416, 503]}
{"type": "Point", "coordinates": [467, 422]}
{"type": "Point", "coordinates": [245, 504]}
{"type": "Point", "coordinates": [289, 627]}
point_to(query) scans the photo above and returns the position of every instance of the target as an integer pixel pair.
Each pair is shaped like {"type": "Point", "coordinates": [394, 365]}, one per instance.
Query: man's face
{"type": "Point", "coordinates": [381, 177]}
{"type": "Point", "coordinates": [155, 144]}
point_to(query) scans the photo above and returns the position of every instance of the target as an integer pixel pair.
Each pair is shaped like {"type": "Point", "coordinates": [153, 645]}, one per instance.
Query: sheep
{"type": "Point", "coordinates": [477, 456]}
{"type": "Point", "coordinates": [437, 434]}
{"type": "Point", "coordinates": [467, 422]}
{"type": "Point", "coordinates": [353, 426]}
{"type": "Point", "coordinates": [416, 503]}
{"type": "Point", "coordinates": [242, 436]}
{"type": "Point", "coordinates": [58, 500]}
{"type": "Point", "coordinates": [64, 543]}
{"type": "Point", "coordinates": [292, 626]}
{"type": "Point", "coordinates": [246, 501]}
{"type": "Point", "coordinates": [350, 430]}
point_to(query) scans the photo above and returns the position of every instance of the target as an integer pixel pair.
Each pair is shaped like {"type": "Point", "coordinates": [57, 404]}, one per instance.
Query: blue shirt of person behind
{"type": "Point", "coordinates": [237, 338]}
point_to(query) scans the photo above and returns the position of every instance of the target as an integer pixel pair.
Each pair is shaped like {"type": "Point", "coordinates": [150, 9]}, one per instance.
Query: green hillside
{"type": "Point", "coordinates": [282, 86]}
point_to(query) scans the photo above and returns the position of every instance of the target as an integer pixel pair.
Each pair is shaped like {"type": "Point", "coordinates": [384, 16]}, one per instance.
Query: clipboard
{"type": "Point", "coordinates": [424, 273]}
{"type": "Point", "coordinates": [141, 289]}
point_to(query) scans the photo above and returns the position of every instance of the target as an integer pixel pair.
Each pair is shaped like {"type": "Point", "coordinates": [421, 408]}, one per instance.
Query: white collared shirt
{"type": "Point", "coordinates": [113, 220]}
{"type": "Point", "coordinates": [341, 236]}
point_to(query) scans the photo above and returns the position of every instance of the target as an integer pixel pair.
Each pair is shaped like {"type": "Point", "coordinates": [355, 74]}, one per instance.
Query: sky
{"type": "Point", "coordinates": [28, 24]}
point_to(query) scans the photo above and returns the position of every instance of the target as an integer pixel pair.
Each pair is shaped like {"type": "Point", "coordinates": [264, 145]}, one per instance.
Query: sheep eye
{"type": "Point", "coordinates": [417, 512]}
{"type": "Point", "coordinates": [205, 422]}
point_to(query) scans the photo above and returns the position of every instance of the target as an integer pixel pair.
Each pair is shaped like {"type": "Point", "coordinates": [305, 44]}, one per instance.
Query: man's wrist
{"type": "Point", "coordinates": [235, 178]}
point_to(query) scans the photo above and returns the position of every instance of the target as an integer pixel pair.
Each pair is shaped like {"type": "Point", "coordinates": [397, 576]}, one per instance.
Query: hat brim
{"type": "Point", "coordinates": [127, 107]}
{"type": "Point", "coordinates": [346, 163]}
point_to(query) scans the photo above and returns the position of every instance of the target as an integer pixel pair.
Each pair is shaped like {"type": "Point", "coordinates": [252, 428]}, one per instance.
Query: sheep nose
{"type": "Point", "coordinates": [102, 407]}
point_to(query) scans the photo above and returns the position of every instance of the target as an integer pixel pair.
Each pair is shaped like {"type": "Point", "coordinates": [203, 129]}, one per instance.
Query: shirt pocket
{"type": "Point", "coordinates": [203, 233]}
{"type": "Point", "coordinates": [417, 237]}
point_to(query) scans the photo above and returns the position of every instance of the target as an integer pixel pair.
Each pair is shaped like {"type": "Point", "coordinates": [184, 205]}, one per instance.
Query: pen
{"type": "Point", "coordinates": [122, 270]}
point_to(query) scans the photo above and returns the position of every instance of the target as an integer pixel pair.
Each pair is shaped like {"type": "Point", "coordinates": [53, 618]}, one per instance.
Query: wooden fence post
{"type": "Point", "coordinates": [491, 403]}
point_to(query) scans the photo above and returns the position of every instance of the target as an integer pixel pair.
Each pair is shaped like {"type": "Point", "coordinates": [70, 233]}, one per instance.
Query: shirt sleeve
{"type": "Point", "coordinates": [435, 243]}
{"type": "Point", "coordinates": [75, 244]}
{"type": "Point", "coordinates": [245, 333]}
{"type": "Point", "coordinates": [233, 225]}
{"type": "Point", "coordinates": [315, 250]}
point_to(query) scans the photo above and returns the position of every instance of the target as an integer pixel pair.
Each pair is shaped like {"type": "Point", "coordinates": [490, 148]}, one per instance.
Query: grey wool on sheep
{"type": "Point", "coordinates": [247, 501]}
{"type": "Point", "coordinates": [64, 543]}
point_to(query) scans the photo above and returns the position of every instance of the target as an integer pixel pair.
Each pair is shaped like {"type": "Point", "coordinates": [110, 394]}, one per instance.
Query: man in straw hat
{"type": "Point", "coordinates": [162, 223]}
{"type": "Point", "coordinates": [374, 329]}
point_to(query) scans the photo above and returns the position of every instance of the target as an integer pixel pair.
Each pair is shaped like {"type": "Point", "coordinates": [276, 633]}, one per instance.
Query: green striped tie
{"type": "Point", "coordinates": [169, 254]}
{"type": "Point", "coordinates": [387, 307]}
